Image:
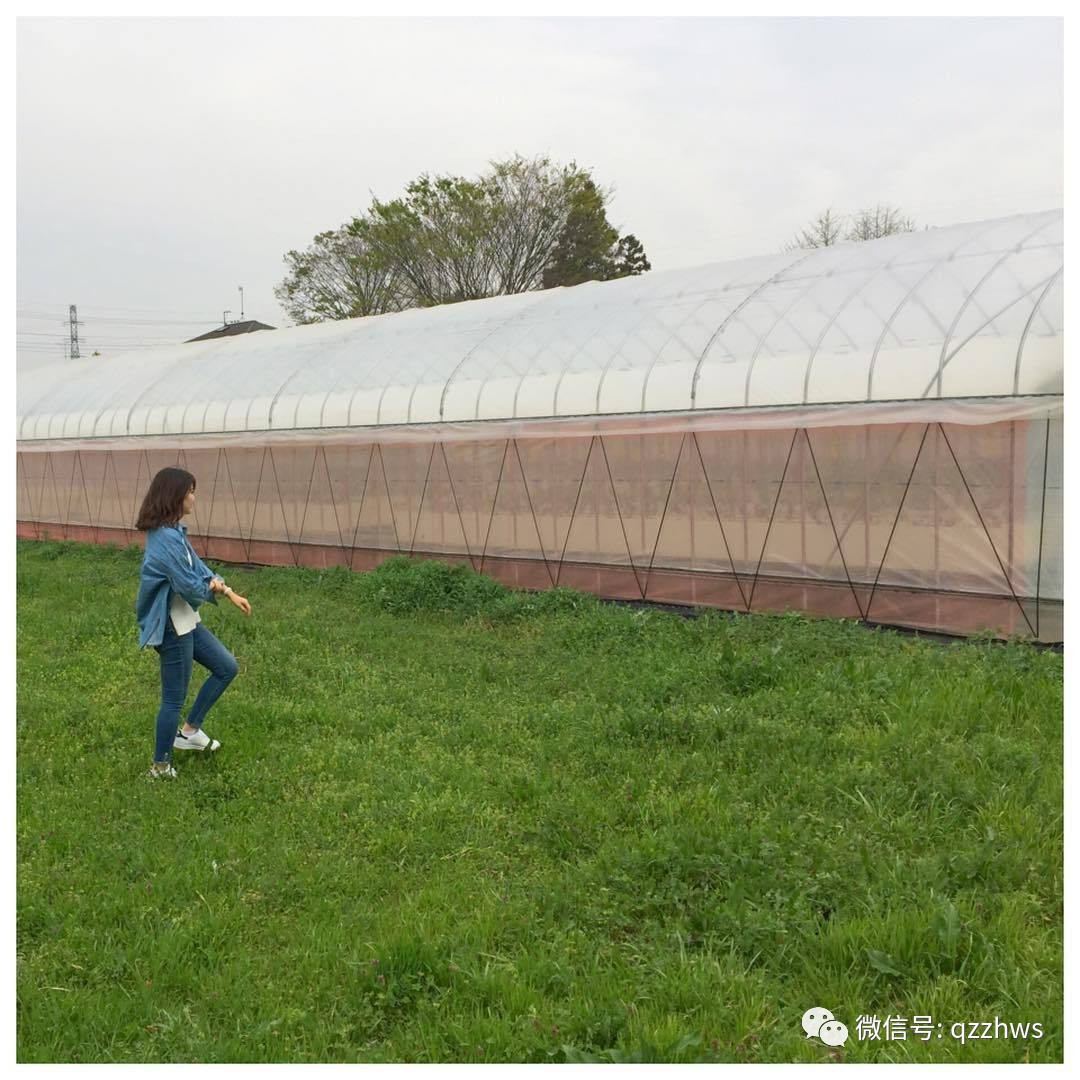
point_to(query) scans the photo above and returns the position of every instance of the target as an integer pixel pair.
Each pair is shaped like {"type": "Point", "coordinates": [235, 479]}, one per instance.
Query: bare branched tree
{"type": "Point", "coordinates": [824, 231]}
{"type": "Point", "coordinates": [829, 228]}
{"type": "Point", "coordinates": [882, 220]}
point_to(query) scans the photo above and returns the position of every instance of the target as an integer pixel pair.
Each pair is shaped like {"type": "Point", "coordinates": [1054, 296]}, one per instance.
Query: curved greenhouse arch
{"type": "Point", "coordinates": [877, 425]}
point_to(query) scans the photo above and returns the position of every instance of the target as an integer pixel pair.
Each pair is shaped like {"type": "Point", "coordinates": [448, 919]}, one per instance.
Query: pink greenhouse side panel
{"type": "Point", "coordinates": [945, 527]}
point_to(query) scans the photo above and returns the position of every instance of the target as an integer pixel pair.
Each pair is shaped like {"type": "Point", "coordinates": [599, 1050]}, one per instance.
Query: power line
{"type": "Point", "coordinates": [103, 349]}
{"type": "Point", "coordinates": [136, 334]}
{"type": "Point", "coordinates": [104, 307]}
{"type": "Point", "coordinates": [124, 322]}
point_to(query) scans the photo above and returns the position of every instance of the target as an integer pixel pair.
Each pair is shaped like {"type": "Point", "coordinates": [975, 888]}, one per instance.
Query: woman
{"type": "Point", "coordinates": [173, 583]}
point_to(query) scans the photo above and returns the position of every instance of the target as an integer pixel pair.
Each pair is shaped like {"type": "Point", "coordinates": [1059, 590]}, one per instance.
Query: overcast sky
{"type": "Point", "coordinates": [162, 163]}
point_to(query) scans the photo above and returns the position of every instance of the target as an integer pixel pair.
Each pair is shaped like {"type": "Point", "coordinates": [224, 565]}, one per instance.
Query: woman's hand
{"type": "Point", "coordinates": [239, 601]}
{"type": "Point", "coordinates": [217, 585]}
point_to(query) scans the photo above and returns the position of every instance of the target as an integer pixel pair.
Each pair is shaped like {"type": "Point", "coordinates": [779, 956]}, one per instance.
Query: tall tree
{"type": "Point", "coordinates": [435, 238]}
{"type": "Point", "coordinates": [531, 201]}
{"type": "Point", "coordinates": [338, 277]}
{"type": "Point", "coordinates": [526, 224]}
{"type": "Point", "coordinates": [630, 257]}
{"type": "Point", "coordinates": [584, 249]}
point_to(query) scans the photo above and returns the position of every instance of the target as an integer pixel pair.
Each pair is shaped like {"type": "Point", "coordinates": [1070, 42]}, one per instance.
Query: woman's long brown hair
{"type": "Point", "coordinates": [163, 503]}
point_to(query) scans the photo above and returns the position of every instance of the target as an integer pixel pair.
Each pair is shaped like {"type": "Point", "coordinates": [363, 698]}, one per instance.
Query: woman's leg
{"type": "Point", "coordinates": [222, 666]}
{"type": "Point", "coordinates": [176, 657]}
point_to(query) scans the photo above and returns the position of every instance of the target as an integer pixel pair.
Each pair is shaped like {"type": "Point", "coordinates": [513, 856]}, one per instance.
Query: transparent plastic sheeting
{"type": "Point", "coordinates": [951, 527]}
{"type": "Point", "coordinates": [972, 310]}
{"type": "Point", "coordinates": [950, 411]}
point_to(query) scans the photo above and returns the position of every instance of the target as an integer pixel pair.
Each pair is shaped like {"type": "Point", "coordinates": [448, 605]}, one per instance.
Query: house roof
{"type": "Point", "coordinates": [229, 329]}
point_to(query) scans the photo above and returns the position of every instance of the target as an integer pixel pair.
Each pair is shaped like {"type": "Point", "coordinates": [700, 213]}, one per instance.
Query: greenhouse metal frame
{"type": "Point", "coordinates": [870, 431]}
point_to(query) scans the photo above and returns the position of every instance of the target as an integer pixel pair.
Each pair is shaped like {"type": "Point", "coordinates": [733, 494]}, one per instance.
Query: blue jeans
{"type": "Point", "coordinates": [177, 653]}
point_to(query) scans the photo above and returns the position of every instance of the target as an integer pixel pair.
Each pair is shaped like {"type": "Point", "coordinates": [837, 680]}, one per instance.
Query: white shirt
{"type": "Point", "coordinates": [184, 617]}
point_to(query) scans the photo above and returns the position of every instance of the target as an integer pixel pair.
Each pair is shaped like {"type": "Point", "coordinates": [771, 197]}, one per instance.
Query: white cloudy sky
{"type": "Point", "coordinates": [162, 162]}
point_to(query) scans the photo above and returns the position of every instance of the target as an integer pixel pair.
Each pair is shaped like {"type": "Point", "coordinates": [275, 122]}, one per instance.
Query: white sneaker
{"type": "Point", "coordinates": [197, 740]}
{"type": "Point", "coordinates": [168, 773]}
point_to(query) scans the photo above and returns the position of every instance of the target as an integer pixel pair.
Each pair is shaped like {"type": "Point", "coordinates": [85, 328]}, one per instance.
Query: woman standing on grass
{"type": "Point", "coordinates": [173, 582]}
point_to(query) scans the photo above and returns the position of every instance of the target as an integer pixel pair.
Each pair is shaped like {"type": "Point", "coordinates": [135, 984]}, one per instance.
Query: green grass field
{"type": "Point", "coordinates": [451, 822]}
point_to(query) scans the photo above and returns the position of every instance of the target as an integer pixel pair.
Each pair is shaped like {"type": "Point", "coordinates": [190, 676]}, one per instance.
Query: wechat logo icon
{"type": "Point", "coordinates": [822, 1024]}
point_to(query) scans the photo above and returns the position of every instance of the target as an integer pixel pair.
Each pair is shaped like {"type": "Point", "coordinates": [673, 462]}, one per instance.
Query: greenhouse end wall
{"type": "Point", "coordinates": [947, 527]}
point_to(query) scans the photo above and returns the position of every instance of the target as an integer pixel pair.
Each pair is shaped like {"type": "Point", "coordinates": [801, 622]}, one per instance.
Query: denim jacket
{"type": "Point", "coordinates": [166, 568]}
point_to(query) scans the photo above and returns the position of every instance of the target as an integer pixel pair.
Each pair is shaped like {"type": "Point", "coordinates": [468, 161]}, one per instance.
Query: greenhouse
{"type": "Point", "coordinates": [869, 430]}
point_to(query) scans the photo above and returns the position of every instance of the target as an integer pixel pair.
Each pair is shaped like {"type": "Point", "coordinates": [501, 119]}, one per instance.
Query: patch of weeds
{"type": "Point", "coordinates": [684, 1048]}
